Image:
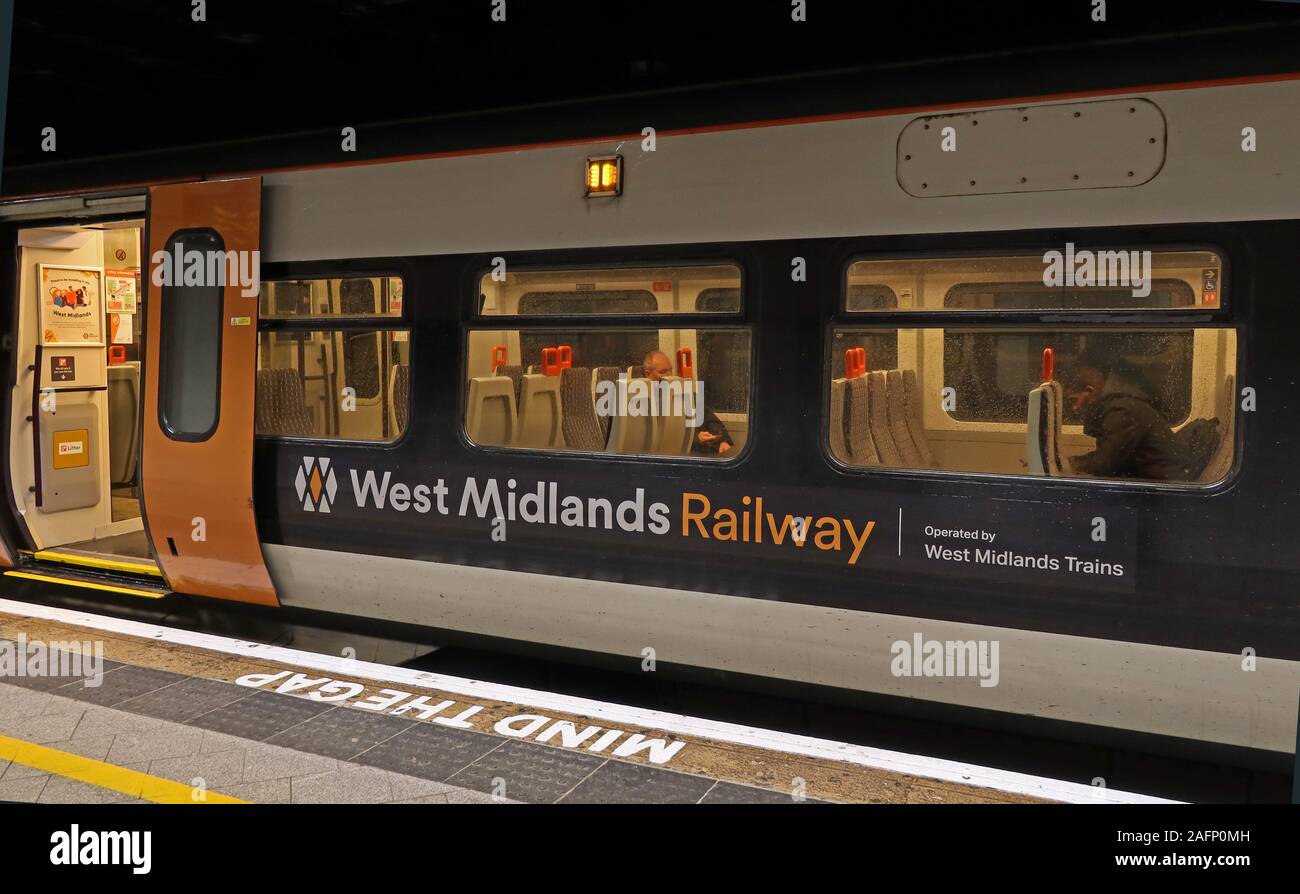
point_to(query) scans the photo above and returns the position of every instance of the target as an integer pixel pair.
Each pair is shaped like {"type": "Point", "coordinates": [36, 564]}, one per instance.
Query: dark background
{"type": "Point", "coordinates": [137, 90]}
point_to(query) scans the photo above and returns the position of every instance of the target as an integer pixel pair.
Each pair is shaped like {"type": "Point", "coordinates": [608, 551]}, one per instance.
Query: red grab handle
{"type": "Point", "coordinates": [500, 357]}
{"type": "Point", "coordinates": [1049, 364]}
{"type": "Point", "coordinates": [116, 355]}
{"type": "Point", "coordinates": [565, 356]}
{"type": "Point", "coordinates": [685, 363]}
{"type": "Point", "coordinates": [551, 361]}
{"type": "Point", "coordinates": [855, 363]}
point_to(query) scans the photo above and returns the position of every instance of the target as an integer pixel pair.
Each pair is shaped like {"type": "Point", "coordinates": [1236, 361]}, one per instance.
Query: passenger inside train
{"type": "Point", "coordinates": [1150, 376]}
{"type": "Point", "coordinates": [1133, 439]}
{"type": "Point", "coordinates": [562, 377]}
{"type": "Point", "coordinates": [711, 436]}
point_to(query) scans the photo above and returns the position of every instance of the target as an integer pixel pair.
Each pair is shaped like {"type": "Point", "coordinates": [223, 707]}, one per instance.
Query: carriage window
{"type": "Point", "coordinates": [1064, 279]}
{"type": "Point", "coordinates": [574, 385]}
{"type": "Point", "coordinates": [190, 355]}
{"type": "Point", "coordinates": [630, 390]}
{"type": "Point", "coordinates": [611, 291]}
{"type": "Point", "coordinates": [1144, 404]}
{"type": "Point", "coordinates": [377, 296]}
{"type": "Point", "coordinates": [350, 385]}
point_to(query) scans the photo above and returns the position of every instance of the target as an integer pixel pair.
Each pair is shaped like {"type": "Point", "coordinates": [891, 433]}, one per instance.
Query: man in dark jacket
{"type": "Point", "coordinates": [1133, 439]}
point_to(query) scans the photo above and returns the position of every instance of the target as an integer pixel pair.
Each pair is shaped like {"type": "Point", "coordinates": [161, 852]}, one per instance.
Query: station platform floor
{"type": "Point", "coordinates": [174, 716]}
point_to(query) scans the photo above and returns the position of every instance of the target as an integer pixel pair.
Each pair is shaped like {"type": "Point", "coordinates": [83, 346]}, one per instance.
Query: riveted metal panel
{"type": "Point", "coordinates": [1077, 145]}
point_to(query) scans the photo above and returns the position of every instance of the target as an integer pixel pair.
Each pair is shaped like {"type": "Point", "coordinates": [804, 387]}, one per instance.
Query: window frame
{"type": "Point", "coordinates": [379, 324]}
{"type": "Point", "coordinates": [1000, 321]}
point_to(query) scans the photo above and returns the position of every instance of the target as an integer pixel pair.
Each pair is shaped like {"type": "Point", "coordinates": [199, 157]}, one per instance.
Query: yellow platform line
{"type": "Point", "coordinates": [49, 579]}
{"type": "Point", "coordinates": [98, 773]}
{"type": "Point", "coordinates": [104, 564]}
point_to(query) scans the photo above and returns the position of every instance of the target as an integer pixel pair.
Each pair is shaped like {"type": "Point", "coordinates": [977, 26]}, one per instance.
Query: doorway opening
{"type": "Point", "coordinates": [75, 428]}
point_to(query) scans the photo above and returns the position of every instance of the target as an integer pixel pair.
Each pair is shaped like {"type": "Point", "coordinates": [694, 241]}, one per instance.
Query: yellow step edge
{"type": "Point", "coordinates": [104, 564]}
{"type": "Point", "coordinates": [114, 778]}
{"type": "Point", "coordinates": [89, 585]}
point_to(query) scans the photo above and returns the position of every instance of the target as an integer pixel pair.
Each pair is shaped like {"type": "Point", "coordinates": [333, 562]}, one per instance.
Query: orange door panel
{"type": "Point", "coordinates": [196, 464]}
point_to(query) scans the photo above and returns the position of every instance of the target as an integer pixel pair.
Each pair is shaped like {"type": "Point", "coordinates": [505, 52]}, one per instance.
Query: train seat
{"type": "Point", "coordinates": [857, 422]}
{"type": "Point", "coordinates": [634, 433]}
{"type": "Point", "coordinates": [1058, 425]}
{"type": "Point", "coordinates": [1220, 463]}
{"type": "Point", "coordinates": [836, 418]}
{"type": "Point", "coordinates": [491, 419]}
{"type": "Point", "coordinates": [281, 407]}
{"type": "Point", "coordinates": [515, 374]}
{"type": "Point", "coordinates": [399, 398]}
{"type": "Point", "coordinates": [878, 416]}
{"type": "Point", "coordinates": [123, 421]}
{"type": "Point", "coordinates": [897, 411]}
{"type": "Point", "coordinates": [912, 412]}
{"type": "Point", "coordinates": [1043, 431]}
{"type": "Point", "coordinates": [539, 412]}
{"type": "Point", "coordinates": [580, 426]}
{"type": "Point", "coordinates": [671, 435]}
{"type": "Point", "coordinates": [605, 374]}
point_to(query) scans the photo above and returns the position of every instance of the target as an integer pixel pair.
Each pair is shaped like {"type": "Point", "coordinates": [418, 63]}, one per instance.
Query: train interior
{"type": "Point", "coordinates": [999, 398]}
{"type": "Point", "coordinates": [603, 388]}
{"type": "Point", "coordinates": [76, 404]}
{"type": "Point", "coordinates": [340, 376]}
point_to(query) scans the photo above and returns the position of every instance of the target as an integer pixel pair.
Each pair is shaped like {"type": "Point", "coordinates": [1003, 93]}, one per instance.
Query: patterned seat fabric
{"type": "Point", "coordinates": [835, 421]}
{"type": "Point", "coordinates": [878, 414]}
{"type": "Point", "coordinates": [1043, 431]}
{"type": "Point", "coordinates": [515, 373]}
{"type": "Point", "coordinates": [897, 412]}
{"type": "Point", "coordinates": [401, 396]}
{"type": "Point", "coordinates": [606, 374]}
{"type": "Point", "coordinates": [582, 428]}
{"type": "Point", "coordinates": [857, 422]}
{"type": "Point", "coordinates": [281, 409]}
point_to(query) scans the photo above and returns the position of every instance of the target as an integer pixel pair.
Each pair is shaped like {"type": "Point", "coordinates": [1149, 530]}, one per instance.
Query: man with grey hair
{"type": "Point", "coordinates": [712, 437]}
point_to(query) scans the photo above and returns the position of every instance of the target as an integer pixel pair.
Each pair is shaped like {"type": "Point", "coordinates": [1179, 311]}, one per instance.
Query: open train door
{"type": "Point", "coordinates": [196, 465]}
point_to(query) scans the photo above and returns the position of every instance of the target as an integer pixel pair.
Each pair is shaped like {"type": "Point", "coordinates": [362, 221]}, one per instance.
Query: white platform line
{"type": "Point", "coordinates": [770, 740]}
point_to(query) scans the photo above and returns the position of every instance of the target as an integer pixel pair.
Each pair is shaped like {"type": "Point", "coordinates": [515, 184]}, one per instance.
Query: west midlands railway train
{"type": "Point", "coordinates": [809, 400]}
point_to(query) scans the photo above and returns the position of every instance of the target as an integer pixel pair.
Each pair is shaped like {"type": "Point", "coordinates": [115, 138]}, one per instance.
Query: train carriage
{"type": "Point", "coordinates": [793, 400]}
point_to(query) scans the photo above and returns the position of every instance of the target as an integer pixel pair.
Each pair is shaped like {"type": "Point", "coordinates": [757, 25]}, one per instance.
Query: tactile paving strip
{"type": "Point", "coordinates": [195, 686]}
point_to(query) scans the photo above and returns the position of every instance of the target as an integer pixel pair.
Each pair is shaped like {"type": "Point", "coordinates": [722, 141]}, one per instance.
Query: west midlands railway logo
{"type": "Point", "coordinates": [315, 483]}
